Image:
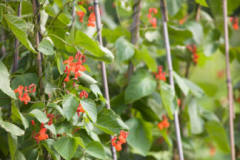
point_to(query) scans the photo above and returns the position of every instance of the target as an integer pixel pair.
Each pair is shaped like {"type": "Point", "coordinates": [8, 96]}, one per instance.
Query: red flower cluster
{"type": "Point", "coordinates": [80, 15]}
{"type": "Point", "coordinates": [164, 123]}
{"type": "Point", "coordinates": [80, 109]}
{"type": "Point", "coordinates": [92, 17]}
{"type": "Point", "coordinates": [151, 19]}
{"type": "Point", "coordinates": [183, 20]}
{"type": "Point", "coordinates": [23, 92]}
{"type": "Point", "coordinates": [193, 49]}
{"type": "Point", "coordinates": [50, 117]}
{"type": "Point", "coordinates": [160, 75]}
{"type": "Point", "coordinates": [121, 140]}
{"type": "Point", "coordinates": [74, 67]}
{"type": "Point", "coordinates": [33, 122]}
{"type": "Point", "coordinates": [179, 102]}
{"type": "Point", "coordinates": [234, 21]}
{"type": "Point", "coordinates": [83, 94]}
{"type": "Point", "coordinates": [41, 135]}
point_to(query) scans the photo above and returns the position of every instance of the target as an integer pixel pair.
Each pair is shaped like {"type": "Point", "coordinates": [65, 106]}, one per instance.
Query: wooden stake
{"type": "Point", "coordinates": [103, 67]}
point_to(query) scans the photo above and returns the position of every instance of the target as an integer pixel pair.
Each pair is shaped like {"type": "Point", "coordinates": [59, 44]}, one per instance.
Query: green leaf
{"type": "Point", "coordinates": [85, 78]}
{"type": "Point", "coordinates": [66, 147]}
{"type": "Point", "coordinates": [96, 150]}
{"type": "Point", "coordinates": [167, 96]}
{"type": "Point", "coordinates": [39, 115]}
{"type": "Point", "coordinates": [48, 144]}
{"type": "Point", "coordinates": [12, 144]}
{"type": "Point", "coordinates": [46, 47]}
{"type": "Point", "coordinates": [197, 31]}
{"type": "Point", "coordinates": [59, 62]}
{"type": "Point", "coordinates": [70, 104]}
{"type": "Point", "coordinates": [202, 2]}
{"type": "Point", "coordinates": [101, 53]}
{"type": "Point", "coordinates": [141, 84]}
{"type": "Point", "coordinates": [5, 82]}
{"type": "Point", "coordinates": [124, 50]}
{"type": "Point", "coordinates": [196, 123]}
{"type": "Point", "coordinates": [174, 6]}
{"type": "Point", "coordinates": [19, 27]}
{"type": "Point", "coordinates": [17, 115]}
{"type": "Point", "coordinates": [79, 141]}
{"type": "Point", "coordinates": [181, 83]}
{"type": "Point", "coordinates": [194, 89]}
{"type": "Point", "coordinates": [24, 79]}
{"type": "Point", "coordinates": [19, 156]}
{"type": "Point", "coordinates": [181, 33]}
{"type": "Point", "coordinates": [11, 128]}
{"type": "Point", "coordinates": [110, 122]}
{"type": "Point", "coordinates": [218, 135]}
{"type": "Point", "coordinates": [96, 90]}
{"type": "Point", "coordinates": [90, 107]}
{"type": "Point", "coordinates": [145, 56]}
{"type": "Point", "coordinates": [139, 136]}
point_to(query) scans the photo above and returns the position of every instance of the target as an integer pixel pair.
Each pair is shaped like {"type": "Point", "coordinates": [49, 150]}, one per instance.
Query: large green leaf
{"type": "Point", "coordinates": [97, 51]}
{"type": "Point", "coordinates": [174, 6]}
{"type": "Point", "coordinates": [167, 96]}
{"type": "Point", "coordinates": [5, 82]}
{"type": "Point", "coordinates": [202, 2]}
{"type": "Point", "coordinates": [19, 27]}
{"type": "Point", "coordinates": [110, 122]}
{"type": "Point", "coordinates": [24, 79]}
{"type": "Point", "coordinates": [66, 147]}
{"type": "Point", "coordinates": [96, 150]}
{"type": "Point", "coordinates": [139, 136]}
{"type": "Point", "coordinates": [46, 46]}
{"type": "Point", "coordinates": [39, 115]}
{"type": "Point", "coordinates": [11, 128]}
{"type": "Point", "coordinates": [90, 107]}
{"type": "Point", "coordinates": [141, 84]}
{"type": "Point", "coordinates": [12, 144]}
{"type": "Point", "coordinates": [124, 50]}
{"type": "Point", "coordinates": [17, 115]}
{"type": "Point", "coordinates": [70, 104]}
{"type": "Point", "coordinates": [196, 123]}
{"type": "Point", "coordinates": [218, 135]}
{"type": "Point", "coordinates": [194, 89]}
{"type": "Point", "coordinates": [144, 55]}
{"type": "Point", "coordinates": [197, 31]}
{"type": "Point", "coordinates": [181, 83]}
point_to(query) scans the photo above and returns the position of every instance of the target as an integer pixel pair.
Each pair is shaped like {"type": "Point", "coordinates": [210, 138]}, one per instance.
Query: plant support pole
{"type": "Point", "coordinates": [16, 54]}
{"type": "Point", "coordinates": [35, 5]}
{"type": "Point", "coordinates": [134, 29]}
{"type": "Point", "coordinates": [104, 74]}
{"type": "Point", "coordinates": [169, 60]}
{"type": "Point", "coordinates": [229, 81]}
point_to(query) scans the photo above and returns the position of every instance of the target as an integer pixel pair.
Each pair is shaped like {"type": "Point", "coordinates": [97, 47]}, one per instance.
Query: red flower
{"type": "Point", "coordinates": [32, 88]}
{"type": "Point", "coordinates": [164, 123]}
{"type": "Point", "coordinates": [121, 140]}
{"type": "Point", "coordinates": [193, 50]}
{"type": "Point", "coordinates": [19, 90]}
{"type": "Point", "coordinates": [80, 15]}
{"type": "Point", "coordinates": [41, 135]}
{"type": "Point", "coordinates": [50, 116]}
{"type": "Point", "coordinates": [83, 94]}
{"type": "Point", "coordinates": [33, 122]}
{"type": "Point", "coordinates": [183, 20]}
{"type": "Point", "coordinates": [160, 75]}
{"type": "Point", "coordinates": [74, 65]}
{"type": "Point", "coordinates": [179, 102]}
{"type": "Point", "coordinates": [151, 19]}
{"type": "Point", "coordinates": [25, 98]}
{"type": "Point", "coordinates": [91, 20]}
{"type": "Point", "coordinates": [234, 21]}
{"type": "Point", "coordinates": [80, 109]}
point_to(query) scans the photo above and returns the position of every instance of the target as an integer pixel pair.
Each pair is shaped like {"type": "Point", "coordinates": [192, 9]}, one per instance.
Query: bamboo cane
{"type": "Point", "coordinates": [229, 82]}
{"type": "Point", "coordinates": [170, 69]}
{"type": "Point", "coordinates": [103, 67]}
{"type": "Point", "coordinates": [15, 60]}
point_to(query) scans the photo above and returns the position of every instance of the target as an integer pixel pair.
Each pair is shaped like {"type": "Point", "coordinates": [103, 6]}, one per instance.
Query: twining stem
{"type": "Point", "coordinates": [73, 15]}
{"type": "Point", "coordinates": [170, 69]}
{"type": "Point", "coordinates": [103, 67]}
{"type": "Point", "coordinates": [16, 54]}
{"type": "Point", "coordinates": [229, 81]}
{"type": "Point", "coordinates": [198, 12]}
{"type": "Point", "coordinates": [35, 5]}
{"type": "Point", "coordinates": [3, 49]}
{"type": "Point", "coordinates": [134, 31]}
